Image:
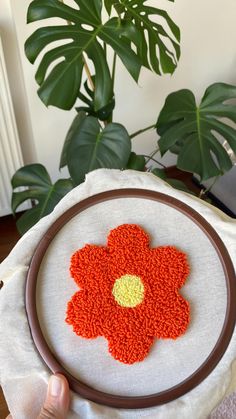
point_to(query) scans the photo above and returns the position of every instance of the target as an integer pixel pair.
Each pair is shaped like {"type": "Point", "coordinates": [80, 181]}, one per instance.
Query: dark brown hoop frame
{"type": "Point", "coordinates": [214, 357]}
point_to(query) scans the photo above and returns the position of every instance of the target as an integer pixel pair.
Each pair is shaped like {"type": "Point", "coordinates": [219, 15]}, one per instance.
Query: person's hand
{"type": "Point", "coordinates": [57, 401]}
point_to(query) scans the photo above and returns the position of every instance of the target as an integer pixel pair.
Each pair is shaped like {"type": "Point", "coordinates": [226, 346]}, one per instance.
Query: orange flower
{"type": "Point", "coordinates": [128, 293]}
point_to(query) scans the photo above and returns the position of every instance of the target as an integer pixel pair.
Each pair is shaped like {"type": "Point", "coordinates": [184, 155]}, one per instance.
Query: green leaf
{"type": "Point", "coordinates": [103, 114]}
{"type": "Point", "coordinates": [175, 183]}
{"type": "Point", "coordinates": [136, 162]}
{"type": "Point", "coordinates": [60, 71]}
{"type": "Point", "coordinates": [159, 173]}
{"type": "Point", "coordinates": [68, 72]}
{"type": "Point", "coordinates": [178, 184]}
{"type": "Point", "coordinates": [153, 36]}
{"type": "Point", "coordinates": [108, 5]}
{"type": "Point", "coordinates": [73, 128]}
{"type": "Point", "coordinates": [135, 37]}
{"type": "Point", "coordinates": [191, 130]}
{"type": "Point", "coordinates": [92, 147]}
{"type": "Point", "coordinates": [118, 6]}
{"type": "Point", "coordinates": [40, 189]}
{"type": "Point", "coordinates": [119, 34]}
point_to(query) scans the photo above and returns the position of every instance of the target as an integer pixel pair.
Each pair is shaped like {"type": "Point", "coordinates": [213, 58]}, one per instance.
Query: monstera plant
{"type": "Point", "coordinates": [193, 131]}
{"type": "Point", "coordinates": [141, 36]}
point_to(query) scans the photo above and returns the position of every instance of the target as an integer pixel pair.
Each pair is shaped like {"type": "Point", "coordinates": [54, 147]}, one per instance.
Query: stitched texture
{"type": "Point", "coordinates": [128, 293]}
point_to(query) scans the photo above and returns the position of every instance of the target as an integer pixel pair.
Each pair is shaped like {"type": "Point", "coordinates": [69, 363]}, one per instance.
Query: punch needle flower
{"type": "Point", "coordinates": [129, 293]}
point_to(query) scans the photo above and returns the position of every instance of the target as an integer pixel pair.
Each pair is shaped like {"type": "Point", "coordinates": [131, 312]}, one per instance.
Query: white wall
{"type": "Point", "coordinates": [208, 55]}
{"type": "Point", "coordinates": [16, 79]}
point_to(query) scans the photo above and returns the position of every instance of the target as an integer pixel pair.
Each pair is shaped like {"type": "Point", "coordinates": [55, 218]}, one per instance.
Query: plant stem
{"type": "Point", "coordinates": [141, 131]}
{"type": "Point", "coordinates": [156, 161]}
{"type": "Point", "coordinates": [89, 75]}
{"type": "Point", "coordinates": [152, 155]}
{"type": "Point", "coordinates": [113, 70]}
{"type": "Point", "coordinates": [113, 80]}
{"type": "Point", "coordinates": [207, 190]}
{"type": "Point", "coordinates": [105, 48]}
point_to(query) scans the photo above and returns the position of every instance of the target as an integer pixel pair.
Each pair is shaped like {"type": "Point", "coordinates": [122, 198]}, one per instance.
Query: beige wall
{"type": "Point", "coordinates": [208, 55]}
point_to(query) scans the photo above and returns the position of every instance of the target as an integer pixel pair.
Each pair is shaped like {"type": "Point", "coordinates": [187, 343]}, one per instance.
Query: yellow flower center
{"type": "Point", "coordinates": [128, 291]}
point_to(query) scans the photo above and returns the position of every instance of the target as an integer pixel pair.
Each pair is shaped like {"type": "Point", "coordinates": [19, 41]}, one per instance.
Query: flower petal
{"type": "Point", "coordinates": [87, 264]}
{"type": "Point", "coordinates": [128, 237]}
{"type": "Point", "coordinates": [87, 314]}
{"type": "Point", "coordinates": [171, 318]}
{"type": "Point", "coordinates": [128, 348]}
{"type": "Point", "coordinates": [168, 266]}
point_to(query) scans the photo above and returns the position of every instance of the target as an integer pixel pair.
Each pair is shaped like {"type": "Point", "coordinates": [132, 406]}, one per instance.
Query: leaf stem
{"type": "Point", "coordinates": [207, 190]}
{"type": "Point", "coordinates": [113, 70]}
{"type": "Point", "coordinates": [152, 155]}
{"type": "Point", "coordinates": [105, 48]}
{"type": "Point", "coordinates": [89, 75]}
{"type": "Point", "coordinates": [141, 131]}
{"type": "Point", "coordinates": [156, 161]}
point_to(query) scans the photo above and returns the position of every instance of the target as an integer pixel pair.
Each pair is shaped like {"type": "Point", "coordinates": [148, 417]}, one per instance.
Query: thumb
{"type": "Point", "coordinates": [57, 400]}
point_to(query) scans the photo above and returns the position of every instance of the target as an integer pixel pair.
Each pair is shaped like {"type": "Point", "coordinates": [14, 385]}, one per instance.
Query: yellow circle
{"type": "Point", "coordinates": [128, 291]}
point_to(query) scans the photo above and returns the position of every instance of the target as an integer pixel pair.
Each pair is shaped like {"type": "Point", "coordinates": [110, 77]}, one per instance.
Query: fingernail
{"type": "Point", "coordinates": [55, 386]}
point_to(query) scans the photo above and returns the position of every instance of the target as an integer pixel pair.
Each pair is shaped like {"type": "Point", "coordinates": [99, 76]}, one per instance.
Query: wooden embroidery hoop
{"type": "Point", "coordinates": [193, 380]}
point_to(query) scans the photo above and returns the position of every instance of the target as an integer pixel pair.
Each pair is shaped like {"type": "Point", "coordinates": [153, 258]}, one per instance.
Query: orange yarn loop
{"type": "Point", "coordinates": [129, 293]}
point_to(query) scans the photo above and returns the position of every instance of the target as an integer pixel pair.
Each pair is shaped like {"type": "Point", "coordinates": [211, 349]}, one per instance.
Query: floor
{"type": "Point", "coordinates": [8, 239]}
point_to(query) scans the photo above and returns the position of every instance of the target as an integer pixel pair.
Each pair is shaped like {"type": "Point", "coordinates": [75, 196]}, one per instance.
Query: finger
{"type": "Point", "coordinates": [57, 400]}
{"type": "Point", "coordinates": [9, 417]}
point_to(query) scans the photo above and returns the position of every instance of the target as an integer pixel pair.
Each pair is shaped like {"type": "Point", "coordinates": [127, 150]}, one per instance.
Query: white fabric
{"type": "Point", "coordinates": [22, 372]}
{"type": "Point", "coordinates": [205, 289]}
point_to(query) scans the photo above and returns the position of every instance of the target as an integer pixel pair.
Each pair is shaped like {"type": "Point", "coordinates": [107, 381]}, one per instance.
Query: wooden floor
{"type": "Point", "coordinates": [8, 238]}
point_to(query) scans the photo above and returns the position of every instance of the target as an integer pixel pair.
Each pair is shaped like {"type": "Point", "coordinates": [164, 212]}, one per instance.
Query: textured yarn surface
{"type": "Point", "coordinates": [129, 293]}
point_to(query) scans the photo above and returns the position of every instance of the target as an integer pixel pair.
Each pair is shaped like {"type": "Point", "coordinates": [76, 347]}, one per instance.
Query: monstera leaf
{"type": "Point", "coordinates": [193, 130]}
{"type": "Point", "coordinates": [74, 128]}
{"type": "Point", "coordinates": [60, 87]}
{"type": "Point", "coordinates": [108, 5]}
{"type": "Point", "coordinates": [136, 162]}
{"type": "Point", "coordinates": [103, 114]}
{"type": "Point", "coordinates": [60, 70]}
{"type": "Point", "coordinates": [40, 189]}
{"type": "Point", "coordinates": [90, 147]}
{"type": "Point", "coordinates": [151, 33]}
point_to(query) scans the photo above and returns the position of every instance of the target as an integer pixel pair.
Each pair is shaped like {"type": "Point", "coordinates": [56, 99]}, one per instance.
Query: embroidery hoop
{"type": "Point", "coordinates": [213, 358]}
